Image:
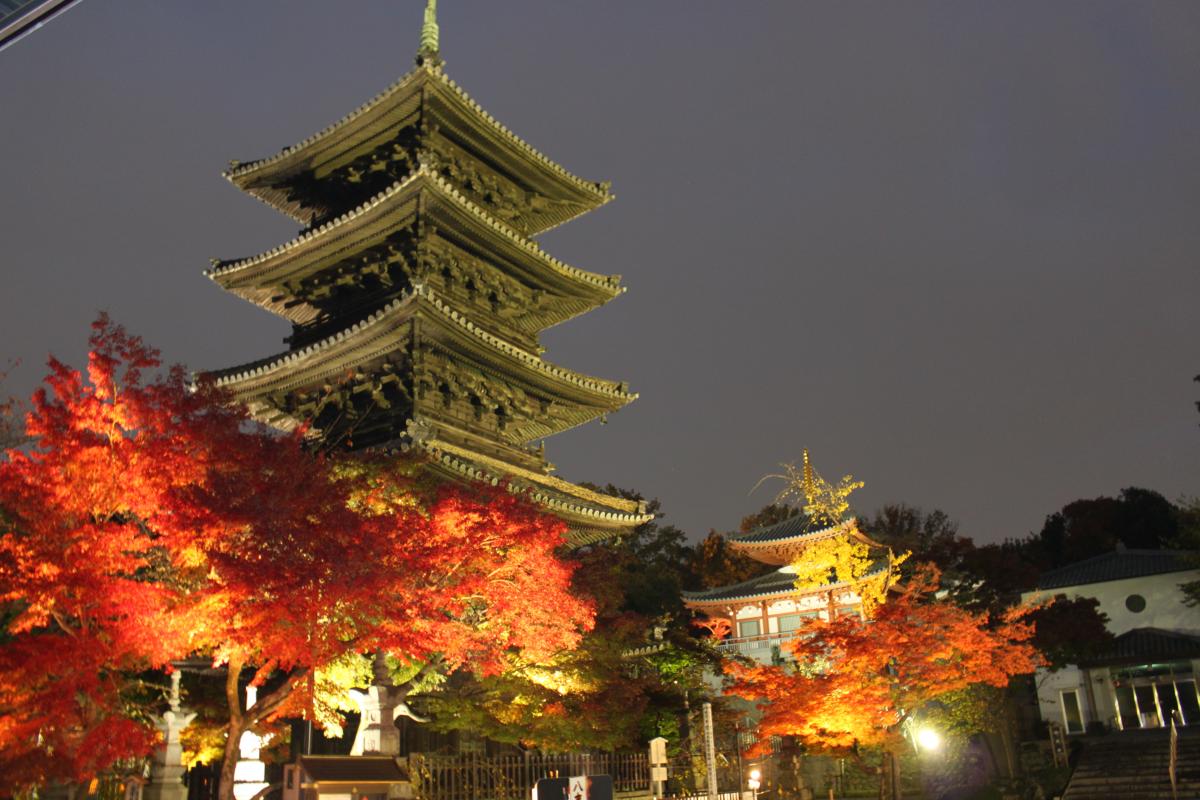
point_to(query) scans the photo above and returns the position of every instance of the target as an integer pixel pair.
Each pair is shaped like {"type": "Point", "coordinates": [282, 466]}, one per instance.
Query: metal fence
{"type": "Point", "coordinates": [471, 777]}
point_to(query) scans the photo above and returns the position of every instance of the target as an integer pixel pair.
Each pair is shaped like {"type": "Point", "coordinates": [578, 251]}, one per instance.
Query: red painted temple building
{"type": "Point", "coordinates": [766, 611]}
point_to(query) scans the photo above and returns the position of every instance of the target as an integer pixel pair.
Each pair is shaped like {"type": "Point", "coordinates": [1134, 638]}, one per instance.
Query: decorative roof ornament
{"type": "Point", "coordinates": [824, 503]}
{"type": "Point", "coordinates": [428, 52]}
{"type": "Point", "coordinates": [809, 487]}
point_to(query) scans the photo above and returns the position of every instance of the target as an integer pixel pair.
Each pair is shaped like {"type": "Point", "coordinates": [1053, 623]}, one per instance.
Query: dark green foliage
{"type": "Point", "coordinates": [12, 431]}
{"type": "Point", "coordinates": [1188, 538]}
{"type": "Point", "coordinates": [714, 563]}
{"type": "Point", "coordinates": [767, 515]}
{"type": "Point", "coordinates": [1071, 630]}
{"type": "Point", "coordinates": [931, 536]}
{"type": "Point", "coordinates": [1137, 519]}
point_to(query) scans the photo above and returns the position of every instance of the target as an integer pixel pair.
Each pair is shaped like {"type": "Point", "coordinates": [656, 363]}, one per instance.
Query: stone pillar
{"type": "Point", "coordinates": [249, 776]}
{"type": "Point", "coordinates": [377, 732]}
{"type": "Point", "coordinates": [166, 771]}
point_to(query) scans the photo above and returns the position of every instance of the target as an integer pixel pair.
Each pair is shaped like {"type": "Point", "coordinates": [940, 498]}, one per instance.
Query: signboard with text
{"type": "Point", "coordinates": [577, 787]}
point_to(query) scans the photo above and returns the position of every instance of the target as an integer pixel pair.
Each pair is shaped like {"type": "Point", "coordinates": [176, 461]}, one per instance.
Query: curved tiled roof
{"type": "Point", "coordinates": [1115, 566]}
{"type": "Point", "coordinates": [541, 495]}
{"type": "Point", "coordinates": [774, 582]}
{"type": "Point", "coordinates": [240, 373]}
{"type": "Point", "coordinates": [597, 189]}
{"type": "Point", "coordinates": [797, 526]}
{"type": "Point", "coordinates": [423, 173]}
{"type": "Point", "coordinates": [1142, 645]}
{"type": "Point", "coordinates": [779, 582]}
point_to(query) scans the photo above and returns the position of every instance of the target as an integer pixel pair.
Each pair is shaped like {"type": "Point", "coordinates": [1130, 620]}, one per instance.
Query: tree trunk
{"type": "Point", "coordinates": [1006, 738]}
{"type": "Point", "coordinates": [233, 733]}
{"type": "Point", "coordinates": [240, 722]}
{"type": "Point", "coordinates": [889, 777]}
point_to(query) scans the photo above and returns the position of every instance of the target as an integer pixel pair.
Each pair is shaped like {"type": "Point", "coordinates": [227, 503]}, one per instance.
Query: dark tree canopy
{"type": "Point", "coordinates": [1070, 630]}
{"type": "Point", "coordinates": [767, 515]}
{"type": "Point", "coordinates": [1137, 519]}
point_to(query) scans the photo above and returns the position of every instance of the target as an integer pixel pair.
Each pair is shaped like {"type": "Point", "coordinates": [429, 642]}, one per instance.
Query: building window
{"type": "Point", "coordinates": [789, 622]}
{"type": "Point", "coordinates": [1072, 713]}
{"type": "Point", "coordinates": [750, 627]}
{"type": "Point", "coordinates": [1135, 603]}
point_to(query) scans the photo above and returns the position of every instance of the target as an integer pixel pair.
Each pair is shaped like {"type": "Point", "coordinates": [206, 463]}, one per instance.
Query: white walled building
{"type": "Point", "coordinates": [1151, 668]}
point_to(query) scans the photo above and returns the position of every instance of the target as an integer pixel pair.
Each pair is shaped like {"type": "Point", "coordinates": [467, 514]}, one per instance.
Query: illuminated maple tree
{"type": "Point", "coordinates": [150, 521]}
{"type": "Point", "coordinates": [855, 682]}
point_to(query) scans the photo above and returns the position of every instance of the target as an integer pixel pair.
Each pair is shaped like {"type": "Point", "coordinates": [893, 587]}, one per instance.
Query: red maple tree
{"type": "Point", "coordinates": [150, 521]}
{"type": "Point", "coordinates": [855, 682]}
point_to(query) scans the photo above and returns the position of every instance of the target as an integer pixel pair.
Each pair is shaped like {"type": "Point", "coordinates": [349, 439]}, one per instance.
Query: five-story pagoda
{"type": "Point", "coordinates": [417, 295]}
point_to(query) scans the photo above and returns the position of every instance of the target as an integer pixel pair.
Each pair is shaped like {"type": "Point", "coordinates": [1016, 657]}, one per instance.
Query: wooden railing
{"type": "Point", "coordinates": [470, 777]}
{"type": "Point", "coordinates": [758, 647]}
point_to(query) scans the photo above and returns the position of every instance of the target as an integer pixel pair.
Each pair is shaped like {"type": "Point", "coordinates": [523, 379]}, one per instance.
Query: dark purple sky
{"type": "Point", "coordinates": [950, 247]}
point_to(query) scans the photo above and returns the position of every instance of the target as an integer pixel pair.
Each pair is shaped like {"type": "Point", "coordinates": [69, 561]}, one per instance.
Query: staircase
{"type": "Point", "coordinates": [1133, 766]}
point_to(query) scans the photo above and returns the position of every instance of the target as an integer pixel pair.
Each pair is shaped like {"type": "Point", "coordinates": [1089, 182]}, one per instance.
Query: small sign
{"type": "Point", "coordinates": [658, 750]}
{"type": "Point", "coordinates": [578, 787]}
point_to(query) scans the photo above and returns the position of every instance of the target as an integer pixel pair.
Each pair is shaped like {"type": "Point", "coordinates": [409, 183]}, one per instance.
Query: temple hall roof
{"type": "Point", "coordinates": [773, 583]}
{"type": "Point", "coordinates": [783, 542]}
{"type": "Point", "coordinates": [797, 525]}
{"type": "Point", "coordinates": [779, 583]}
{"type": "Point", "coordinates": [1142, 645]}
{"type": "Point", "coordinates": [1117, 565]}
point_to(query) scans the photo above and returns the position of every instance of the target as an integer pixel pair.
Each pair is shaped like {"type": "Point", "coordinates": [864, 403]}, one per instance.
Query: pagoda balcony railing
{"type": "Point", "coordinates": [764, 647]}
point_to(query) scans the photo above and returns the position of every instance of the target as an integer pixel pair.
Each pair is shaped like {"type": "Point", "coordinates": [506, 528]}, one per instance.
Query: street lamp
{"type": "Point", "coordinates": [754, 781]}
{"type": "Point", "coordinates": [929, 739]}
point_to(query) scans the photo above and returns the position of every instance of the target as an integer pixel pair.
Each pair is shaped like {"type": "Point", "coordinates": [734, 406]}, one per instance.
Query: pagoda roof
{"type": "Point", "coordinates": [784, 541]}
{"type": "Point", "coordinates": [591, 516]}
{"type": "Point", "coordinates": [776, 584]}
{"type": "Point", "coordinates": [373, 121]}
{"type": "Point", "coordinates": [258, 278]}
{"type": "Point", "coordinates": [798, 525]}
{"type": "Point", "coordinates": [388, 329]}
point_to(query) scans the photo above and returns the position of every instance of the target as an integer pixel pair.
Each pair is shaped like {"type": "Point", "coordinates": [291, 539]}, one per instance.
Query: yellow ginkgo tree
{"type": "Point", "coordinates": [844, 554]}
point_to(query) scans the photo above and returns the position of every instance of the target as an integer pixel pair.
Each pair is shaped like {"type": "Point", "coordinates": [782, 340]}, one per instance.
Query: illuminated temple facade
{"type": "Point", "coordinates": [417, 294]}
{"type": "Point", "coordinates": [764, 612]}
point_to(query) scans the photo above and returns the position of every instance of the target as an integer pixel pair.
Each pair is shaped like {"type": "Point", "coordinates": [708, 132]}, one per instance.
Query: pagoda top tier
{"type": "Point", "coordinates": [422, 117]}
{"type": "Point", "coordinates": [784, 542]}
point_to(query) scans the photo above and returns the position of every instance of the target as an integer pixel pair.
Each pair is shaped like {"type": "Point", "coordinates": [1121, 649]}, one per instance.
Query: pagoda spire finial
{"type": "Point", "coordinates": [428, 51]}
{"type": "Point", "coordinates": [808, 482]}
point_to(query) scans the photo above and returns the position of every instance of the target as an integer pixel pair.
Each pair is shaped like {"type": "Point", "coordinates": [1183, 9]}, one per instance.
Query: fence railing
{"type": "Point", "coordinates": [471, 777]}
{"type": "Point", "coordinates": [759, 647]}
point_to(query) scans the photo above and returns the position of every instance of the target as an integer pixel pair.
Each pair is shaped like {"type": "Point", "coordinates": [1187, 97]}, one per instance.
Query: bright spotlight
{"type": "Point", "coordinates": [929, 739]}
{"type": "Point", "coordinates": [755, 775]}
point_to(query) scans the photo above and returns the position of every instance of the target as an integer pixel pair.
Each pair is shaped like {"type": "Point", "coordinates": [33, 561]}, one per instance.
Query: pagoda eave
{"type": "Point", "coordinates": [407, 324]}
{"type": "Point", "coordinates": [784, 542]}
{"type": "Point", "coordinates": [424, 198]}
{"type": "Point", "coordinates": [426, 97]}
{"type": "Point", "coordinates": [590, 516]}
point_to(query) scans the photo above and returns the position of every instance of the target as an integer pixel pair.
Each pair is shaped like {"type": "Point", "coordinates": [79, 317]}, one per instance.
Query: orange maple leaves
{"type": "Point", "coordinates": [855, 681]}
{"type": "Point", "coordinates": [150, 521]}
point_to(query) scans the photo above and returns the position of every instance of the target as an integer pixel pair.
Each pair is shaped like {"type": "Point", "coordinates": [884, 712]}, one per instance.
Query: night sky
{"type": "Point", "coordinates": [950, 247]}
